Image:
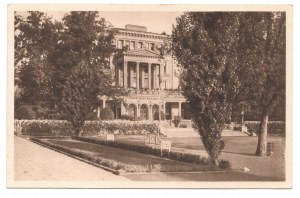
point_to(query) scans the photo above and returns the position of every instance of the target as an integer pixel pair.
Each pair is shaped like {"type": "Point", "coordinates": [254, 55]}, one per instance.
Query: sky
{"type": "Point", "coordinates": [156, 22]}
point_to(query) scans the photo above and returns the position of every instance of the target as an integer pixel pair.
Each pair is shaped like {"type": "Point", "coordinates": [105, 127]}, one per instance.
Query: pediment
{"type": "Point", "coordinates": [142, 52]}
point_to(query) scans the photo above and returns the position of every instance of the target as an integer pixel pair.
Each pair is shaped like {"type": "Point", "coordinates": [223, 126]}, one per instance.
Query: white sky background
{"type": "Point", "coordinates": [156, 22]}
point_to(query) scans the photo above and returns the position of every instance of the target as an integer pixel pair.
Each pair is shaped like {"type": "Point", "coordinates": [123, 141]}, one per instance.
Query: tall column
{"type": "Point", "coordinates": [125, 74]}
{"type": "Point", "coordinates": [137, 75]}
{"type": "Point", "coordinates": [160, 76]}
{"type": "Point", "coordinates": [138, 110]}
{"type": "Point", "coordinates": [143, 77]}
{"type": "Point", "coordinates": [131, 76]}
{"type": "Point", "coordinates": [155, 77]}
{"type": "Point", "coordinates": [164, 107]}
{"type": "Point", "coordinates": [149, 76]}
{"type": "Point", "coordinates": [179, 109]}
{"type": "Point", "coordinates": [150, 112]}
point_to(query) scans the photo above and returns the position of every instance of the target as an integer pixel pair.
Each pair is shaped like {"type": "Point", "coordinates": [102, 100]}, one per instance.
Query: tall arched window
{"type": "Point", "coordinates": [132, 110]}
{"type": "Point", "coordinates": [155, 109]}
{"type": "Point", "coordinates": [144, 112]}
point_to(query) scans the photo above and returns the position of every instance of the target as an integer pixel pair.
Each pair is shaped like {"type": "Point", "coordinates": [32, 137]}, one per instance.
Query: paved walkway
{"type": "Point", "coordinates": [35, 162]}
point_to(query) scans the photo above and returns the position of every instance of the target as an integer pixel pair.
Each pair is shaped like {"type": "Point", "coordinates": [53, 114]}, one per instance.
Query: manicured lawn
{"type": "Point", "coordinates": [240, 151]}
{"type": "Point", "coordinates": [128, 157]}
{"type": "Point", "coordinates": [238, 145]}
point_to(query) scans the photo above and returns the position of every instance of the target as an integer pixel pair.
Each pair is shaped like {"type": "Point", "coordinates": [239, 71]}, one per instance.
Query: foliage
{"type": "Point", "coordinates": [49, 55]}
{"type": "Point", "coordinates": [35, 38]}
{"type": "Point", "coordinates": [211, 71]}
{"type": "Point", "coordinates": [183, 126]}
{"type": "Point", "coordinates": [96, 128]}
{"type": "Point", "coordinates": [156, 116]}
{"type": "Point", "coordinates": [89, 74]}
{"type": "Point", "coordinates": [107, 114]}
{"type": "Point", "coordinates": [43, 128]}
{"type": "Point", "coordinates": [25, 112]}
{"type": "Point", "coordinates": [274, 127]}
{"type": "Point", "coordinates": [177, 120]}
{"type": "Point", "coordinates": [224, 164]}
{"type": "Point", "coordinates": [227, 58]}
{"type": "Point", "coordinates": [118, 167]}
{"type": "Point", "coordinates": [90, 128]}
{"type": "Point", "coordinates": [127, 117]}
{"type": "Point", "coordinates": [184, 157]}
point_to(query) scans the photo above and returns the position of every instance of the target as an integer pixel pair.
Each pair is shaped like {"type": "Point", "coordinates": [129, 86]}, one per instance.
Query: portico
{"type": "Point", "coordinates": [139, 70]}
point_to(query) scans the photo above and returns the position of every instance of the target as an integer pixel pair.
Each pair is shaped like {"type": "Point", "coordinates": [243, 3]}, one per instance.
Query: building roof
{"type": "Point", "coordinates": [137, 33]}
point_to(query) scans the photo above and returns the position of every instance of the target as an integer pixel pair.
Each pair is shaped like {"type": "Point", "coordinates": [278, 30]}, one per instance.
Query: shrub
{"type": "Point", "coordinates": [183, 126]}
{"type": "Point", "coordinates": [274, 127]}
{"type": "Point", "coordinates": [95, 128]}
{"type": "Point", "coordinates": [25, 112]}
{"type": "Point", "coordinates": [224, 164]}
{"type": "Point", "coordinates": [44, 127]}
{"type": "Point", "coordinates": [156, 116]}
{"type": "Point", "coordinates": [184, 157]}
{"type": "Point", "coordinates": [126, 117]}
{"type": "Point", "coordinates": [90, 128]}
{"type": "Point", "coordinates": [177, 120]}
{"type": "Point", "coordinates": [107, 114]}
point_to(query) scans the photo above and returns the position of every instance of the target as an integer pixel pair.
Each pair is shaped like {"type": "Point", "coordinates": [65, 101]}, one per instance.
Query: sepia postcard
{"type": "Point", "coordinates": [149, 96]}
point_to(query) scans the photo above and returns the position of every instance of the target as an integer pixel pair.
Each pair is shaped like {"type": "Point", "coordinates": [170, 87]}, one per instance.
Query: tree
{"type": "Point", "coordinates": [230, 60]}
{"type": "Point", "coordinates": [82, 60]}
{"type": "Point", "coordinates": [35, 37]}
{"type": "Point", "coordinates": [267, 35]}
{"type": "Point", "coordinates": [207, 49]}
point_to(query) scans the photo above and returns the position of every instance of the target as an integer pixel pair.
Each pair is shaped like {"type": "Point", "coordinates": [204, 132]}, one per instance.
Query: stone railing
{"type": "Point", "coordinates": [157, 92]}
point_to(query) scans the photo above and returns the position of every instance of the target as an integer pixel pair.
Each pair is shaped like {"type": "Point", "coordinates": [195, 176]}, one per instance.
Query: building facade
{"type": "Point", "coordinates": [152, 82]}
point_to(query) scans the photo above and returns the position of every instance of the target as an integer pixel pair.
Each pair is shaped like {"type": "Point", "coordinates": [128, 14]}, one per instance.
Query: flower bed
{"type": "Point", "coordinates": [274, 127]}
{"type": "Point", "coordinates": [122, 127]}
{"type": "Point", "coordinates": [118, 166]}
{"type": "Point", "coordinates": [183, 157]}
{"type": "Point", "coordinates": [43, 128]}
{"type": "Point", "coordinates": [90, 128]}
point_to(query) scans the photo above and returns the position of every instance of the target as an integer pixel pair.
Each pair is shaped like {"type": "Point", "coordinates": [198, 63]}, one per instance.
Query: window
{"type": "Point", "coordinates": [151, 46]}
{"type": "Point", "coordinates": [120, 44]}
{"type": "Point", "coordinates": [127, 43]}
{"type": "Point", "coordinates": [132, 45]}
{"type": "Point", "coordinates": [139, 45]}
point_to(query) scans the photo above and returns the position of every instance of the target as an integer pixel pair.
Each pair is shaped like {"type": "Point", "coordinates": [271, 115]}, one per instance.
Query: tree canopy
{"type": "Point", "coordinates": [227, 59]}
{"type": "Point", "coordinates": [66, 61]}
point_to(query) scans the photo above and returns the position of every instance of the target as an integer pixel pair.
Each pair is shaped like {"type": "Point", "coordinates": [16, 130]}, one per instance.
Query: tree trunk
{"type": "Point", "coordinates": [262, 137]}
{"type": "Point", "coordinates": [215, 162]}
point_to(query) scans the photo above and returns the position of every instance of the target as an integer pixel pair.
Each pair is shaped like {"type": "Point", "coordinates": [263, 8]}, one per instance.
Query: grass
{"type": "Point", "coordinates": [118, 159]}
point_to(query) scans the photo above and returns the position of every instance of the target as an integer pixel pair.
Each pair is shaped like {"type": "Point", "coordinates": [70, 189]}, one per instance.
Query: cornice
{"type": "Point", "coordinates": [141, 34]}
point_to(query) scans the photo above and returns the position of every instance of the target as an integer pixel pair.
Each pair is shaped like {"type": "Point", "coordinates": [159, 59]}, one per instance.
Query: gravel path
{"type": "Point", "coordinates": [35, 162]}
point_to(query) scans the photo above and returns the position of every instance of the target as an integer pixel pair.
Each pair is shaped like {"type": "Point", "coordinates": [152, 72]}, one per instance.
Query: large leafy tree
{"type": "Point", "coordinates": [82, 60]}
{"type": "Point", "coordinates": [36, 35]}
{"type": "Point", "coordinates": [53, 54]}
{"type": "Point", "coordinates": [267, 45]}
{"type": "Point", "coordinates": [207, 48]}
{"type": "Point", "coordinates": [229, 61]}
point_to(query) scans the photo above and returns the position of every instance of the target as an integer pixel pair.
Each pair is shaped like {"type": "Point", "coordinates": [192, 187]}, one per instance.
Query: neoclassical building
{"type": "Point", "coordinates": [152, 82]}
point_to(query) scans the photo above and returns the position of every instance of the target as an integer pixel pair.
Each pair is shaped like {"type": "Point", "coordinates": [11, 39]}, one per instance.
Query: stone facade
{"type": "Point", "coordinates": [152, 82]}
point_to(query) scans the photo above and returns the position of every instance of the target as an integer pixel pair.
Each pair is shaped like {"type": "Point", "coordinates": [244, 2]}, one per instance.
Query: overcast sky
{"type": "Point", "coordinates": [156, 22]}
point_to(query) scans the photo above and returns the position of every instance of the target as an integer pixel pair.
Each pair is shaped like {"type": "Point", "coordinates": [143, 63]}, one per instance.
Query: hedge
{"type": "Point", "coordinates": [274, 127]}
{"type": "Point", "coordinates": [43, 127]}
{"type": "Point", "coordinates": [118, 166]}
{"type": "Point", "coordinates": [90, 128]}
{"type": "Point", "coordinates": [184, 157]}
